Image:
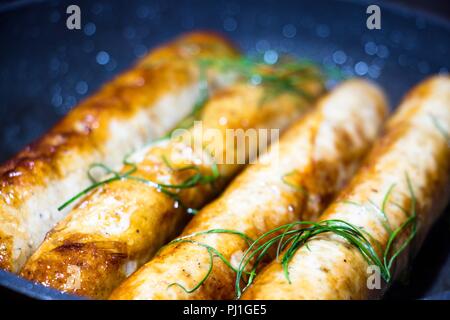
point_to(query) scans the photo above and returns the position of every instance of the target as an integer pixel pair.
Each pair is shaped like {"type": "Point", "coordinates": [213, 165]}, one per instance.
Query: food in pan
{"type": "Point", "coordinates": [138, 106]}
{"type": "Point", "coordinates": [381, 219]}
{"type": "Point", "coordinates": [86, 208]}
{"type": "Point", "coordinates": [295, 180]}
{"type": "Point", "coordinates": [121, 223]}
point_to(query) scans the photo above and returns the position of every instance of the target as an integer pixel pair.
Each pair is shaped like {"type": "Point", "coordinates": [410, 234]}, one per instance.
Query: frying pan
{"type": "Point", "coordinates": [46, 69]}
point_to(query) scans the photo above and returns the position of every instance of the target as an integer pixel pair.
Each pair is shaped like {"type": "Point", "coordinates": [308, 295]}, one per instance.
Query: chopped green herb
{"type": "Point", "coordinates": [440, 128]}
{"type": "Point", "coordinates": [285, 179]}
{"type": "Point", "coordinates": [198, 178]}
{"type": "Point", "coordinates": [293, 236]}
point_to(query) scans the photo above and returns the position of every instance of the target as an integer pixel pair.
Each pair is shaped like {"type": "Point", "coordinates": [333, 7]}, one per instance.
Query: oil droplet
{"type": "Point", "coordinates": [374, 71]}
{"type": "Point", "coordinates": [256, 79]}
{"type": "Point", "coordinates": [323, 31]}
{"type": "Point", "coordinates": [339, 57]}
{"type": "Point", "coordinates": [361, 68]}
{"type": "Point", "coordinates": [111, 65]}
{"type": "Point", "coordinates": [271, 57]}
{"type": "Point", "coordinates": [102, 57]}
{"type": "Point", "coordinates": [129, 33]}
{"type": "Point", "coordinates": [81, 87]}
{"type": "Point", "coordinates": [230, 24]}
{"type": "Point", "coordinates": [57, 100]}
{"type": "Point", "coordinates": [89, 29]}
{"type": "Point", "coordinates": [383, 51]}
{"type": "Point", "coordinates": [262, 46]}
{"type": "Point", "coordinates": [370, 48]}
{"type": "Point", "coordinates": [289, 31]}
{"type": "Point", "coordinates": [140, 50]}
{"type": "Point", "coordinates": [14, 174]}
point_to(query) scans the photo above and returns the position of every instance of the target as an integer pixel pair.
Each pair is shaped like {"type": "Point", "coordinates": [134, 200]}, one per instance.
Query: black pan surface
{"type": "Point", "coordinates": [45, 69]}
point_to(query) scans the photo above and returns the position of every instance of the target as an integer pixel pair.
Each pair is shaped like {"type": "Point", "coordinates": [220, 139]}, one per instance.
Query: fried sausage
{"type": "Point", "coordinates": [120, 226]}
{"type": "Point", "coordinates": [408, 172]}
{"type": "Point", "coordinates": [297, 178]}
{"type": "Point", "coordinates": [140, 105]}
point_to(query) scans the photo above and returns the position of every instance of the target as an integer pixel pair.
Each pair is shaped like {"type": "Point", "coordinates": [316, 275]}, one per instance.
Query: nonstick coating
{"type": "Point", "coordinates": [46, 69]}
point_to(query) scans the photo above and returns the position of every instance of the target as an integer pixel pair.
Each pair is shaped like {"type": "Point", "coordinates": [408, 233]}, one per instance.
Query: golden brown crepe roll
{"type": "Point", "coordinates": [406, 176]}
{"type": "Point", "coordinates": [120, 225]}
{"type": "Point", "coordinates": [138, 106]}
{"type": "Point", "coordinates": [296, 179]}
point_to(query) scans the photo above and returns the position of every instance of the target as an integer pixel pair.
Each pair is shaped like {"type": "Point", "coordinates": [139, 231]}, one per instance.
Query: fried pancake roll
{"type": "Point", "coordinates": [122, 223]}
{"type": "Point", "coordinates": [296, 179]}
{"type": "Point", "coordinates": [381, 219]}
{"type": "Point", "coordinates": [136, 107]}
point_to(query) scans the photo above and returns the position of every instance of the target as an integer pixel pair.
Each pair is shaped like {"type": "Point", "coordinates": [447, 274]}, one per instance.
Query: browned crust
{"type": "Point", "coordinates": [153, 219]}
{"type": "Point", "coordinates": [93, 260]}
{"type": "Point", "coordinates": [84, 127]}
{"type": "Point", "coordinates": [274, 204]}
{"type": "Point", "coordinates": [346, 273]}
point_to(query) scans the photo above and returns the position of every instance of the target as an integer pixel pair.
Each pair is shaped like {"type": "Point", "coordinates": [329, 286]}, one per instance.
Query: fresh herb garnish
{"type": "Point", "coordinates": [279, 78]}
{"type": "Point", "coordinates": [440, 128]}
{"type": "Point", "coordinates": [287, 181]}
{"type": "Point", "coordinates": [171, 190]}
{"type": "Point", "coordinates": [356, 236]}
{"type": "Point", "coordinates": [211, 251]}
{"type": "Point", "coordinates": [293, 236]}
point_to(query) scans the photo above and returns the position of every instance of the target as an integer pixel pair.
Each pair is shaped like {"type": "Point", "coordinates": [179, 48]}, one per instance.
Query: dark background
{"type": "Point", "coordinates": [437, 7]}
{"type": "Point", "coordinates": [46, 69]}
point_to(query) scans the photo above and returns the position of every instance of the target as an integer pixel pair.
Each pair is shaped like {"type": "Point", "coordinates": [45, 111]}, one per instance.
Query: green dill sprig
{"type": "Point", "coordinates": [171, 190]}
{"type": "Point", "coordinates": [114, 176]}
{"type": "Point", "coordinates": [194, 180]}
{"type": "Point", "coordinates": [211, 251]}
{"type": "Point", "coordinates": [291, 237]}
{"type": "Point", "coordinates": [295, 186]}
{"type": "Point", "coordinates": [279, 78]}
{"type": "Point", "coordinates": [283, 77]}
{"type": "Point", "coordinates": [440, 128]}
